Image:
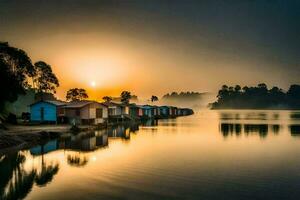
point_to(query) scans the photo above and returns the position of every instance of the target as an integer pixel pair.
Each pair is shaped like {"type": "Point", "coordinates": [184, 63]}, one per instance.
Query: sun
{"type": "Point", "coordinates": [93, 83]}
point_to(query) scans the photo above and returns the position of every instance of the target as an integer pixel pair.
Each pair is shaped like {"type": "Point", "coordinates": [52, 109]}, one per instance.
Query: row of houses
{"type": "Point", "coordinates": [93, 112]}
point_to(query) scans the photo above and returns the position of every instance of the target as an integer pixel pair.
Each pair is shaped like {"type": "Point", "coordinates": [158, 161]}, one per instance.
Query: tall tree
{"type": "Point", "coordinates": [45, 80]}
{"type": "Point", "coordinates": [15, 69]}
{"type": "Point", "coordinates": [76, 94]}
{"type": "Point", "coordinates": [154, 98]}
{"type": "Point", "coordinates": [125, 97]}
{"type": "Point", "coordinates": [107, 98]}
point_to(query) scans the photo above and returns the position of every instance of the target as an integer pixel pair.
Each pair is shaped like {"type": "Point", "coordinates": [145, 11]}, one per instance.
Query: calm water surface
{"type": "Point", "coordinates": [210, 155]}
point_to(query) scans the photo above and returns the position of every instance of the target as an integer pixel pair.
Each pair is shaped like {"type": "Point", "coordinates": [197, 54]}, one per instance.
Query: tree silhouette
{"type": "Point", "coordinates": [76, 94]}
{"type": "Point", "coordinates": [259, 97]}
{"type": "Point", "coordinates": [45, 80]}
{"type": "Point", "coordinates": [154, 98]}
{"type": "Point", "coordinates": [107, 98]}
{"type": "Point", "coordinates": [125, 97]}
{"type": "Point", "coordinates": [15, 182]}
{"type": "Point", "coordinates": [15, 71]}
{"type": "Point", "coordinates": [77, 160]}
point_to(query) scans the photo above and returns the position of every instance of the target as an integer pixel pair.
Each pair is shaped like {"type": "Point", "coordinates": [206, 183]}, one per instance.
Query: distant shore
{"type": "Point", "coordinates": [294, 109]}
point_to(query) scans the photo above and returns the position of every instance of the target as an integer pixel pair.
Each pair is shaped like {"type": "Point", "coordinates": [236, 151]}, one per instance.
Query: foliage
{"type": "Point", "coordinates": [259, 97]}
{"type": "Point", "coordinates": [76, 94]}
{"type": "Point", "coordinates": [154, 98]}
{"type": "Point", "coordinates": [107, 98]}
{"type": "Point", "coordinates": [125, 97]}
{"type": "Point", "coordinates": [15, 68]}
{"type": "Point", "coordinates": [183, 96]}
{"type": "Point", "coordinates": [44, 79]}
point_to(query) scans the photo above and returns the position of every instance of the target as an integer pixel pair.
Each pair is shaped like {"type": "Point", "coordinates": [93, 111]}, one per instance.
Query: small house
{"type": "Point", "coordinates": [116, 109]}
{"type": "Point", "coordinates": [86, 112]}
{"type": "Point", "coordinates": [46, 111]}
{"type": "Point", "coordinates": [149, 111]}
{"type": "Point", "coordinates": [135, 111]}
{"type": "Point", "coordinates": [164, 111]}
{"type": "Point", "coordinates": [173, 111]}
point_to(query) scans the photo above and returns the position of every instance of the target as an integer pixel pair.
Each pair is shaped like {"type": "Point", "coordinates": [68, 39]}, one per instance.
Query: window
{"type": "Point", "coordinates": [77, 112]}
{"type": "Point", "coordinates": [99, 112]}
{"type": "Point", "coordinates": [111, 111]}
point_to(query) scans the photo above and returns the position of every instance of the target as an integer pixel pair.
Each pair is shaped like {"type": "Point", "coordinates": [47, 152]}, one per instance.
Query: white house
{"type": "Point", "coordinates": [86, 112]}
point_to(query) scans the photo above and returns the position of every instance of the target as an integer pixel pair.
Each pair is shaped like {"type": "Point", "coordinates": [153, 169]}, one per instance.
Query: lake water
{"type": "Point", "coordinates": [210, 155]}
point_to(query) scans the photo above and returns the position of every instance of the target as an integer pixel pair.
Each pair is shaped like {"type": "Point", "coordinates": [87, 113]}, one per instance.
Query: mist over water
{"type": "Point", "coordinates": [241, 154]}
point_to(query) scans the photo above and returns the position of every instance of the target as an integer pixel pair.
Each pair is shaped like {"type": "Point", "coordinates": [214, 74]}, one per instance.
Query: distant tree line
{"type": "Point", "coordinates": [183, 96]}
{"type": "Point", "coordinates": [259, 97]}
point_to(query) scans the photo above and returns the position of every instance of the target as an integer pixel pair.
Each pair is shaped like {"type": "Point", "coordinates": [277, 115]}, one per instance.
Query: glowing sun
{"type": "Point", "coordinates": [93, 83]}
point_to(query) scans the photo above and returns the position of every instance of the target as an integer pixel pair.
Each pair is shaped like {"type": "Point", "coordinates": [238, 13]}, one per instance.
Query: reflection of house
{"type": "Point", "coordinates": [42, 149]}
{"type": "Point", "coordinates": [46, 111]}
{"type": "Point", "coordinates": [101, 138]}
{"type": "Point", "coordinates": [86, 112]}
{"type": "Point", "coordinates": [295, 129]}
{"type": "Point", "coordinates": [119, 132]}
{"type": "Point", "coordinates": [150, 122]}
{"type": "Point", "coordinates": [184, 111]}
{"type": "Point", "coordinates": [88, 144]}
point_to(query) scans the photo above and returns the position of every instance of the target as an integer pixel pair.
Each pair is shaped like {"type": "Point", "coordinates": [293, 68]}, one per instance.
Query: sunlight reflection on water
{"type": "Point", "coordinates": [210, 155]}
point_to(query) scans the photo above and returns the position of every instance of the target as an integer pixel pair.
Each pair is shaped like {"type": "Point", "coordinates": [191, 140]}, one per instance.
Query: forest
{"type": "Point", "coordinates": [258, 97]}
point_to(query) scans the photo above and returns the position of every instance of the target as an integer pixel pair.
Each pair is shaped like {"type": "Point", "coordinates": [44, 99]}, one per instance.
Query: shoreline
{"type": "Point", "coordinates": [18, 137]}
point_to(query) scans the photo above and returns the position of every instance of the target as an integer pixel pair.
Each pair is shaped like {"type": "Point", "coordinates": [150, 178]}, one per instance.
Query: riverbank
{"type": "Point", "coordinates": [17, 137]}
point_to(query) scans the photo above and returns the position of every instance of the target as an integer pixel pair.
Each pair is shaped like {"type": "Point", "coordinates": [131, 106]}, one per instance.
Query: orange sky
{"type": "Point", "coordinates": [155, 48]}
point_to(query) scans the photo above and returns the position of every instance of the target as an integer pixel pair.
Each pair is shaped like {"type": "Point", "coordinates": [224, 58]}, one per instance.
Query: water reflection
{"type": "Point", "coordinates": [163, 162]}
{"type": "Point", "coordinates": [17, 181]}
{"type": "Point", "coordinates": [295, 130]}
{"type": "Point", "coordinates": [248, 129]}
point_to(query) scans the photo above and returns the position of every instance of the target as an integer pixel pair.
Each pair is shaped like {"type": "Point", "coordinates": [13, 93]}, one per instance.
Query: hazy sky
{"type": "Point", "coordinates": [154, 47]}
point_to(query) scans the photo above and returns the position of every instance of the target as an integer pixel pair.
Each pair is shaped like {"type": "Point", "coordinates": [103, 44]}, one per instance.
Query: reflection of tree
{"type": "Point", "coordinates": [236, 129]}
{"type": "Point", "coordinates": [77, 160]}
{"type": "Point", "coordinates": [295, 130]}
{"type": "Point", "coordinates": [15, 182]}
{"type": "Point", "coordinates": [46, 174]}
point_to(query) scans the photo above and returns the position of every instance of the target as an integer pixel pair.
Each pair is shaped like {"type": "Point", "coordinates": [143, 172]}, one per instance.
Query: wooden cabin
{"type": "Point", "coordinates": [164, 111]}
{"type": "Point", "coordinates": [149, 111]}
{"type": "Point", "coordinates": [173, 111]}
{"type": "Point", "coordinates": [116, 109]}
{"type": "Point", "coordinates": [46, 111]}
{"type": "Point", "coordinates": [86, 112]}
{"type": "Point", "coordinates": [135, 111]}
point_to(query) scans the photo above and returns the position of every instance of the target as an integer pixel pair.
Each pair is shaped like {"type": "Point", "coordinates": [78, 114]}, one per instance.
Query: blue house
{"type": "Point", "coordinates": [148, 111]}
{"type": "Point", "coordinates": [46, 111]}
{"type": "Point", "coordinates": [164, 111]}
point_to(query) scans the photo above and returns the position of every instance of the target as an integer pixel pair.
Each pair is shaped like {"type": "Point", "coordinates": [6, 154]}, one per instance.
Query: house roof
{"type": "Point", "coordinates": [112, 104]}
{"type": "Point", "coordinates": [54, 102]}
{"type": "Point", "coordinates": [79, 104]}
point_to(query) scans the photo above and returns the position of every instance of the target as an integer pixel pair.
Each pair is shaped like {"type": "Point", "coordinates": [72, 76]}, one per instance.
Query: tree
{"type": "Point", "coordinates": [107, 98]}
{"type": "Point", "coordinates": [154, 98]}
{"type": "Point", "coordinates": [44, 80]}
{"type": "Point", "coordinates": [76, 94]}
{"type": "Point", "coordinates": [15, 69]}
{"type": "Point", "coordinates": [125, 97]}
{"type": "Point", "coordinates": [237, 88]}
